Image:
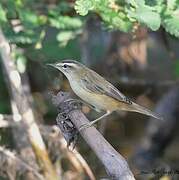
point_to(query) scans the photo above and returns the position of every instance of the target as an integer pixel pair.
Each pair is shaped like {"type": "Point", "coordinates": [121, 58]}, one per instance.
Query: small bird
{"type": "Point", "coordinates": [96, 91]}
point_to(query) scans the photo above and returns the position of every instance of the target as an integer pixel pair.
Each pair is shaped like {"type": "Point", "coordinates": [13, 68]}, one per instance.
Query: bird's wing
{"type": "Point", "coordinates": [93, 82]}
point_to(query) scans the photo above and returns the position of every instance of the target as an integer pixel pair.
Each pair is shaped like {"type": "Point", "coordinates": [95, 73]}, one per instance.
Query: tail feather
{"type": "Point", "coordinates": [140, 109]}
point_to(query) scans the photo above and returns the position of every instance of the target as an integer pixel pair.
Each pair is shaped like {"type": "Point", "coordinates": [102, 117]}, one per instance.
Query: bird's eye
{"type": "Point", "coordinates": [65, 66]}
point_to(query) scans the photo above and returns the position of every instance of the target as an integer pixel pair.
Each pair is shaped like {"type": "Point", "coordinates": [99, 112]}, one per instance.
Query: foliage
{"type": "Point", "coordinates": [27, 23]}
{"type": "Point", "coordinates": [24, 24]}
{"type": "Point", "coordinates": [124, 15]}
{"type": "Point", "coordinates": [110, 12]}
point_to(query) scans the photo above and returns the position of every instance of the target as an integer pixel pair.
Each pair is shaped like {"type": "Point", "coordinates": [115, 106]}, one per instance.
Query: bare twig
{"type": "Point", "coordinates": [23, 111]}
{"type": "Point", "coordinates": [115, 165]}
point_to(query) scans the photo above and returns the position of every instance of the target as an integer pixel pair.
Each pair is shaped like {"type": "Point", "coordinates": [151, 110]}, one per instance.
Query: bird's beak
{"type": "Point", "coordinates": [53, 65]}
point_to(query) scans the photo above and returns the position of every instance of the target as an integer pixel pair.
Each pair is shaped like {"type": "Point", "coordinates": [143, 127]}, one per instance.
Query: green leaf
{"type": "Point", "coordinates": [29, 18]}
{"type": "Point", "coordinates": [66, 22]}
{"type": "Point", "coordinates": [22, 37]}
{"type": "Point", "coordinates": [11, 9]}
{"type": "Point", "coordinates": [20, 60]}
{"type": "Point", "coordinates": [63, 7]}
{"type": "Point", "coordinates": [83, 6]}
{"type": "Point", "coordinates": [171, 4]}
{"type": "Point", "coordinates": [145, 12]}
{"type": "Point", "coordinates": [21, 63]}
{"type": "Point", "coordinates": [171, 25]}
{"type": "Point", "coordinates": [149, 18]}
{"type": "Point", "coordinates": [38, 44]}
{"type": "Point", "coordinates": [2, 14]}
{"type": "Point", "coordinates": [64, 36]}
{"type": "Point", "coordinates": [116, 22]}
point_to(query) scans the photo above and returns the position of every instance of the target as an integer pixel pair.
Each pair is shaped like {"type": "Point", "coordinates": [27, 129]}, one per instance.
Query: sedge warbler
{"type": "Point", "coordinates": [96, 91]}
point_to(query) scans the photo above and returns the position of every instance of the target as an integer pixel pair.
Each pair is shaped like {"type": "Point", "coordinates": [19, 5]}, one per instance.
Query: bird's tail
{"type": "Point", "coordinates": [140, 109]}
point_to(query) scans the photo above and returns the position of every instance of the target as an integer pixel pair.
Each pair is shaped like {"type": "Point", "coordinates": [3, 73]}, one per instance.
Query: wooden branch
{"type": "Point", "coordinates": [11, 77]}
{"type": "Point", "coordinates": [23, 112]}
{"type": "Point", "coordinates": [115, 165]}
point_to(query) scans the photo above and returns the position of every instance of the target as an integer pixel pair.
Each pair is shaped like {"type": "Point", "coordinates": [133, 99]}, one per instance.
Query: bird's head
{"type": "Point", "coordinates": [69, 68]}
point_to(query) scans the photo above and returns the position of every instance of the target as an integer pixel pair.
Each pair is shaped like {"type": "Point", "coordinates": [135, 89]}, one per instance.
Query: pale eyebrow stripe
{"type": "Point", "coordinates": [70, 64]}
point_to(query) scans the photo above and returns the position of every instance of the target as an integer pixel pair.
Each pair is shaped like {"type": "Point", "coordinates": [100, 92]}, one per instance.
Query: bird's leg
{"type": "Point", "coordinates": [87, 125]}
